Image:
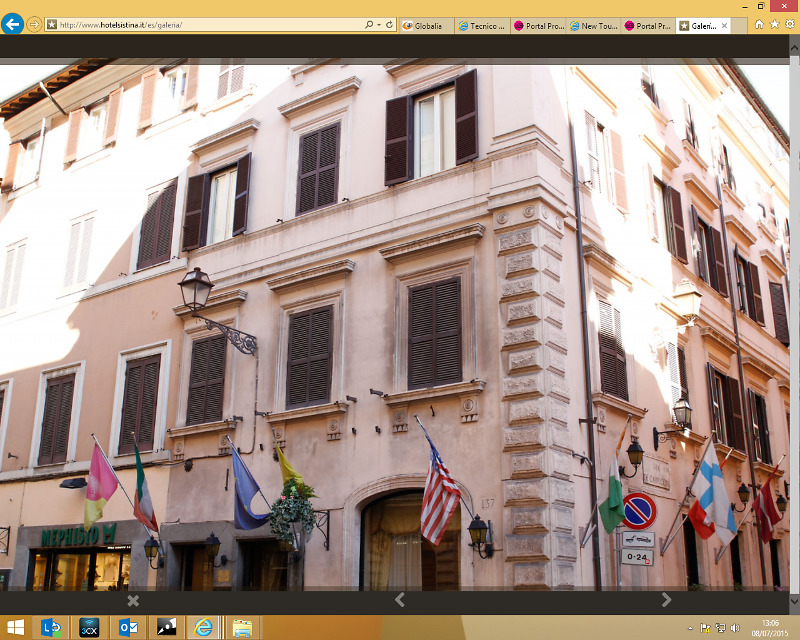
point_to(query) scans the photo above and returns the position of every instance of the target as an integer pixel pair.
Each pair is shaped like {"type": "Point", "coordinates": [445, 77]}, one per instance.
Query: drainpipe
{"type": "Point", "coordinates": [587, 378]}
{"type": "Point", "coordinates": [742, 391]}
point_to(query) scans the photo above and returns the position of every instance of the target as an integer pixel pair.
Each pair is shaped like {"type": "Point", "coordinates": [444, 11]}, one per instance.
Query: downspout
{"type": "Point", "coordinates": [742, 391]}
{"type": "Point", "coordinates": [587, 378]}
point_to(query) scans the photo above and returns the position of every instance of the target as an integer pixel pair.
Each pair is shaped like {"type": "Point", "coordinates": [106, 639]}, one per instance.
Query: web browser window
{"type": "Point", "coordinates": [483, 324]}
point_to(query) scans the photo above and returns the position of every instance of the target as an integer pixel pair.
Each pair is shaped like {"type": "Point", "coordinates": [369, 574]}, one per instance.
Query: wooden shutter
{"type": "Point", "coordinates": [608, 350]}
{"type": "Point", "coordinates": [737, 415]}
{"type": "Point", "coordinates": [696, 244]}
{"type": "Point", "coordinates": [73, 132]}
{"type": "Point", "coordinates": [139, 404]}
{"type": "Point", "coordinates": [712, 398]}
{"type": "Point", "coordinates": [466, 117]}
{"type": "Point", "coordinates": [224, 73]}
{"type": "Point", "coordinates": [755, 285]}
{"type": "Point", "coordinates": [318, 169]}
{"type": "Point", "coordinates": [676, 360]}
{"type": "Point", "coordinates": [593, 168]}
{"type": "Point", "coordinates": [242, 195]}
{"type": "Point", "coordinates": [650, 188]}
{"type": "Point", "coordinates": [112, 116]}
{"type": "Point", "coordinates": [206, 380]}
{"type": "Point", "coordinates": [447, 364]}
{"type": "Point", "coordinates": [2, 399]}
{"type": "Point", "coordinates": [195, 218]}
{"type": "Point", "coordinates": [779, 312]}
{"type": "Point", "coordinates": [766, 449]}
{"type": "Point", "coordinates": [56, 420]}
{"type": "Point", "coordinates": [717, 258]}
{"type": "Point", "coordinates": [622, 366]}
{"type": "Point", "coordinates": [620, 187]}
{"type": "Point", "coordinates": [72, 254]}
{"type": "Point", "coordinates": [78, 252]}
{"type": "Point", "coordinates": [678, 226]}
{"type": "Point", "coordinates": [308, 378]}
{"type": "Point", "coordinates": [148, 98]}
{"type": "Point", "coordinates": [398, 150]}
{"type": "Point", "coordinates": [155, 243]}
{"type": "Point", "coordinates": [192, 73]}
{"type": "Point", "coordinates": [421, 331]}
{"type": "Point", "coordinates": [11, 166]}
{"type": "Point", "coordinates": [684, 379]}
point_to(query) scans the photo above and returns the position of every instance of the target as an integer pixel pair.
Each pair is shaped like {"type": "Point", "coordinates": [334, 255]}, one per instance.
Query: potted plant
{"type": "Point", "coordinates": [292, 506]}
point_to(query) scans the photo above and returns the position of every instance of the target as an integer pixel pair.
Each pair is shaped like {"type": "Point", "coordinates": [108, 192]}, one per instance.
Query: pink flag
{"type": "Point", "coordinates": [102, 484]}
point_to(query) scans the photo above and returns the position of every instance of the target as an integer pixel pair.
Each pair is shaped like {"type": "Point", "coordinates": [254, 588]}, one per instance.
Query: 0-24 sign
{"type": "Point", "coordinates": [641, 557]}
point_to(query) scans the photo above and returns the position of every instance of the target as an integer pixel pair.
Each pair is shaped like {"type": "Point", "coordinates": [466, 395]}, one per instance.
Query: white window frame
{"type": "Point", "coordinates": [86, 222]}
{"type": "Point", "coordinates": [231, 68]}
{"type": "Point", "coordinates": [722, 435]}
{"type": "Point", "coordinates": [6, 386]}
{"type": "Point", "coordinates": [231, 171]}
{"type": "Point", "coordinates": [166, 105]}
{"type": "Point", "coordinates": [28, 167]}
{"type": "Point", "coordinates": [87, 144]}
{"type": "Point", "coordinates": [163, 349]}
{"type": "Point", "coordinates": [438, 122]}
{"type": "Point", "coordinates": [78, 369]}
{"type": "Point", "coordinates": [13, 273]}
{"type": "Point", "coordinates": [334, 298]}
{"type": "Point", "coordinates": [463, 269]}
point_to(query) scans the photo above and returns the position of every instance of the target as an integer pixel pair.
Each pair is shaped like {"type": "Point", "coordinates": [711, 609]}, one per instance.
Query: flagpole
{"type": "Point", "coordinates": [466, 506]}
{"type": "Point", "coordinates": [670, 536]}
{"type": "Point", "coordinates": [119, 482]}
{"type": "Point", "coordinates": [261, 493]}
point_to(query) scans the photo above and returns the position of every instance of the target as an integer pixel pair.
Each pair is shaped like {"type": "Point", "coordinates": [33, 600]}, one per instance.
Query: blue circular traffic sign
{"type": "Point", "coordinates": [12, 24]}
{"type": "Point", "coordinates": [640, 511]}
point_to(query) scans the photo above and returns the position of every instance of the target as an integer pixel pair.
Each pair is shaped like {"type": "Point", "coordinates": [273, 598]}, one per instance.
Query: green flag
{"type": "Point", "coordinates": [612, 510]}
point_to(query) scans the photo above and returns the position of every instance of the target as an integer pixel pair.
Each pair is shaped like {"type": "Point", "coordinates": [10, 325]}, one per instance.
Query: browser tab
{"type": "Point", "coordinates": [483, 25]}
{"type": "Point", "coordinates": [539, 25]}
{"type": "Point", "coordinates": [648, 26]}
{"type": "Point", "coordinates": [709, 26]}
{"type": "Point", "coordinates": [595, 25]}
{"type": "Point", "coordinates": [430, 26]}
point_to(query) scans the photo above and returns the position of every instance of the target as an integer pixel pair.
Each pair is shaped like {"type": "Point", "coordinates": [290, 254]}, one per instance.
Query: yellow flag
{"type": "Point", "coordinates": [287, 471]}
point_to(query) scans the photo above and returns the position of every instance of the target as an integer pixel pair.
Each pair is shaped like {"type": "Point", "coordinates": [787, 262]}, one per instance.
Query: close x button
{"type": "Point", "coordinates": [783, 5]}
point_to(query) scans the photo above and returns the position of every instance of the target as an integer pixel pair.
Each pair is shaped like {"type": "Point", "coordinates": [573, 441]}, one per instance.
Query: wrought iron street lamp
{"type": "Point", "coordinates": [212, 549]}
{"type": "Point", "coordinates": [153, 550]}
{"type": "Point", "coordinates": [635, 455]}
{"type": "Point", "coordinates": [683, 418]}
{"type": "Point", "coordinates": [781, 503]}
{"type": "Point", "coordinates": [744, 497]}
{"type": "Point", "coordinates": [687, 297]}
{"type": "Point", "coordinates": [481, 535]}
{"type": "Point", "coordinates": [195, 288]}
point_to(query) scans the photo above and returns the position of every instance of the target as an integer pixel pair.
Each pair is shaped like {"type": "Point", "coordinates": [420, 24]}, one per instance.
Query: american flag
{"type": "Point", "coordinates": [440, 499]}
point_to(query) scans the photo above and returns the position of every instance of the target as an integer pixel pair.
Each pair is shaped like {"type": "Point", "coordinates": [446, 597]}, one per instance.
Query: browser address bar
{"type": "Point", "coordinates": [226, 25]}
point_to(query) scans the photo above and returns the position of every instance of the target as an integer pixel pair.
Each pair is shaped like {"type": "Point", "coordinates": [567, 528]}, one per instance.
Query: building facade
{"type": "Point", "coordinates": [401, 240]}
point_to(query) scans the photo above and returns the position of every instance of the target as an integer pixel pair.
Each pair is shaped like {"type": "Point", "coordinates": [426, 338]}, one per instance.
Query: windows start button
{"type": "Point", "coordinates": [703, 25]}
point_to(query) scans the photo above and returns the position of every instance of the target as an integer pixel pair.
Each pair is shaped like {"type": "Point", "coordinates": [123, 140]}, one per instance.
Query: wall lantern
{"type": "Point", "coordinates": [682, 412]}
{"type": "Point", "coordinates": [687, 297]}
{"type": "Point", "coordinates": [744, 497]}
{"type": "Point", "coordinates": [635, 455]}
{"type": "Point", "coordinates": [212, 549]}
{"type": "Point", "coordinates": [481, 535]}
{"type": "Point", "coordinates": [781, 503]}
{"type": "Point", "coordinates": [152, 550]}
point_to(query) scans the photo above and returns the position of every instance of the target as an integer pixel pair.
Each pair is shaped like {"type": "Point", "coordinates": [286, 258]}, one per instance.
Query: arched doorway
{"type": "Point", "coordinates": [395, 556]}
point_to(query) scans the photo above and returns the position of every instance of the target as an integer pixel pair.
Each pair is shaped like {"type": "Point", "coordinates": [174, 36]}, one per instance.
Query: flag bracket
{"type": "Point", "coordinates": [322, 518]}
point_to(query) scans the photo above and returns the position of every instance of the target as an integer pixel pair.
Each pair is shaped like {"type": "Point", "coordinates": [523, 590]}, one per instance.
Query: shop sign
{"type": "Point", "coordinates": [77, 536]}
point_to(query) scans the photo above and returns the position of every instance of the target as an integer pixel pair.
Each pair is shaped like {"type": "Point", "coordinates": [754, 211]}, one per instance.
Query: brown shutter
{"type": "Point", "coordinates": [466, 117]}
{"type": "Point", "coordinates": [242, 195]}
{"type": "Point", "coordinates": [2, 399]}
{"type": "Point", "coordinates": [56, 419]}
{"type": "Point", "coordinates": [155, 244]}
{"type": "Point", "coordinates": [698, 256]}
{"type": "Point", "coordinates": [677, 223]}
{"type": "Point", "coordinates": [608, 350]}
{"type": "Point", "coordinates": [11, 166]}
{"type": "Point", "coordinates": [682, 371]}
{"type": "Point", "coordinates": [192, 73]}
{"type": "Point", "coordinates": [148, 96]}
{"type": "Point", "coordinates": [318, 168]}
{"type": "Point", "coordinates": [206, 380]}
{"type": "Point", "coordinates": [766, 448]}
{"type": "Point", "coordinates": [620, 188]}
{"type": "Point", "coordinates": [75, 120]}
{"type": "Point", "coordinates": [139, 404]}
{"type": "Point", "coordinates": [308, 378]}
{"type": "Point", "coordinates": [758, 304]}
{"type": "Point", "coordinates": [712, 397]}
{"type": "Point", "coordinates": [447, 363]}
{"type": "Point", "coordinates": [779, 312]}
{"type": "Point", "coordinates": [398, 156]}
{"type": "Point", "coordinates": [737, 426]}
{"type": "Point", "coordinates": [718, 259]}
{"type": "Point", "coordinates": [421, 329]}
{"type": "Point", "coordinates": [112, 116]}
{"type": "Point", "coordinates": [622, 366]}
{"type": "Point", "coordinates": [195, 217]}
{"type": "Point", "coordinates": [147, 238]}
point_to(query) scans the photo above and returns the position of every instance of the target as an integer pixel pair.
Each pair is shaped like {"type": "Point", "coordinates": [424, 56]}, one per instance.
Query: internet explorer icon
{"type": "Point", "coordinates": [574, 26]}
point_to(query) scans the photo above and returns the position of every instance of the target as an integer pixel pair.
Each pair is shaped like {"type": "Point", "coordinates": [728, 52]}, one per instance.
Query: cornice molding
{"type": "Point", "coordinates": [725, 342]}
{"type": "Point", "coordinates": [218, 302]}
{"type": "Point", "coordinates": [226, 136]}
{"type": "Point", "coordinates": [338, 268]}
{"type": "Point", "coordinates": [772, 262]}
{"type": "Point", "coordinates": [668, 157]}
{"type": "Point", "coordinates": [699, 192]}
{"type": "Point", "coordinates": [344, 88]}
{"type": "Point", "coordinates": [469, 234]}
{"type": "Point", "coordinates": [737, 228]}
{"type": "Point", "coordinates": [607, 264]}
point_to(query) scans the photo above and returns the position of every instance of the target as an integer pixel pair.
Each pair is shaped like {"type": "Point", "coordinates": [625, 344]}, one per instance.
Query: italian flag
{"type": "Point", "coordinates": [612, 511]}
{"type": "Point", "coordinates": [142, 505]}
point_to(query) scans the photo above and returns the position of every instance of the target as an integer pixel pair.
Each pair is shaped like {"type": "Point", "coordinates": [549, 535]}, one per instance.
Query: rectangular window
{"type": "Point", "coordinates": [750, 301]}
{"type": "Point", "coordinates": [431, 131]}
{"type": "Point", "coordinates": [648, 86]}
{"type": "Point", "coordinates": [56, 419]}
{"type": "Point", "coordinates": [216, 205]}
{"type": "Point", "coordinates": [676, 361]}
{"type": "Point", "coordinates": [779, 312]}
{"type": "Point", "coordinates": [613, 361]}
{"type": "Point", "coordinates": [702, 251]}
{"type": "Point", "coordinates": [92, 130]}
{"type": "Point", "coordinates": [727, 417]}
{"type": "Point", "coordinates": [318, 169]}
{"type": "Point", "coordinates": [434, 334]}
{"type": "Point", "coordinates": [80, 240]}
{"type": "Point", "coordinates": [155, 240]}
{"type": "Point", "coordinates": [12, 277]}
{"type": "Point", "coordinates": [435, 132]}
{"type": "Point", "coordinates": [231, 76]}
{"type": "Point", "coordinates": [308, 371]}
{"type": "Point", "coordinates": [691, 133]}
{"type": "Point", "coordinates": [758, 408]}
{"type": "Point", "coordinates": [726, 171]}
{"type": "Point", "coordinates": [668, 204]}
{"type": "Point", "coordinates": [206, 380]}
{"type": "Point", "coordinates": [171, 91]}
{"type": "Point", "coordinates": [29, 162]}
{"type": "Point", "coordinates": [139, 404]}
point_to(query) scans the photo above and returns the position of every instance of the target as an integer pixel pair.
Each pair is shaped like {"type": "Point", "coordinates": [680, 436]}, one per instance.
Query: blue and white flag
{"type": "Point", "coordinates": [711, 512]}
{"type": "Point", "coordinates": [246, 489]}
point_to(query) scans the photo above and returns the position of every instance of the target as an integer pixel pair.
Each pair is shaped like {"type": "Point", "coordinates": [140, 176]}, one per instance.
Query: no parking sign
{"type": "Point", "coordinates": [640, 511]}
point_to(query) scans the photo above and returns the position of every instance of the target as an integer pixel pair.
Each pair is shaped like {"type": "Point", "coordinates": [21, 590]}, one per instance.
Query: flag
{"type": "Point", "coordinates": [287, 471]}
{"type": "Point", "coordinates": [612, 511]}
{"type": "Point", "coordinates": [440, 499]}
{"type": "Point", "coordinates": [711, 512]}
{"type": "Point", "coordinates": [245, 489]}
{"type": "Point", "coordinates": [768, 515]}
{"type": "Point", "coordinates": [101, 486]}
{"type": "Point", "coordinates": [142, 504]}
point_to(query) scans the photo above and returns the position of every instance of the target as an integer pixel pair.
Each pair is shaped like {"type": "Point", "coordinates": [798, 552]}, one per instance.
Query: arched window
{"type": "Point", "coordinates": [395, 556]}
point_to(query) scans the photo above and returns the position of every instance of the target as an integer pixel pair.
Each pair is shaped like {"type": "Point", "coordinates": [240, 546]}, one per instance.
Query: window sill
{"type": "Point", "coordinates": [767, 468]}
{"type": "Point", "coordinates": [467, 392]}
{"type": "Point", "coordinates": [334, 412]}
{"type": "Point", "coordinates": [227, 100]}
{"type": "Point", "coordinates": [197, 429]}
{"type": "Point", "coordinates": [723, 451]}
{"type": "Point", "coordinates": [732, 196]}
{"type": "Point", "coordinates": [167, 123]}
{"type": "Point", "coordinates": [654, 109]}
{"type": "Point", "coordinates": [149, 458]}
{"type": "Point", "coordinates": [23, 188]}
{"type": "Point", "coordinates": [694, 154]}
{"type": "Point", "coordinates": [91, 158]}
{"type": "Point", "coordinates": [617, 405]}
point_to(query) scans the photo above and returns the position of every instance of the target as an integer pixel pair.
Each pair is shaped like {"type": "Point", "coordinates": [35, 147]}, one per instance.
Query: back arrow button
{"type": "Point", "coordinates": [399, 599]}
